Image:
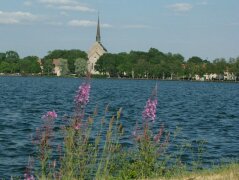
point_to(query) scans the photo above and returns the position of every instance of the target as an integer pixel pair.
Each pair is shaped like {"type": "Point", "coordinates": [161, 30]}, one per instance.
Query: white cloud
{"type": "Point", "coordinates": [58, 2]}
{"type": "Point", "coordinates": [16, 17]}
{"type": "Point", "coordinates": [180, 7]}
{"type": "Point", "coordinates": [136, 26]}
{"type": "Point", "coordinates": [66, 5]}
{"type": "Point", "coordinates": [86, 23]}
{"type": "Point", "coordinates": [76, 8]}
{"type": "Point", "coordinates": [82, 23]}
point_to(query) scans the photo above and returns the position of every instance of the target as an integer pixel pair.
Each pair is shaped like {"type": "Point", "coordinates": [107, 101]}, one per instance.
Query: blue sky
{"type": "Point", "coordinates": [205, 28]}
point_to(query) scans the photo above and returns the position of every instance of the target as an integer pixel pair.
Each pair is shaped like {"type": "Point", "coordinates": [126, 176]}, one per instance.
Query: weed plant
{"type": "Point", "coordinates": [90, 151]}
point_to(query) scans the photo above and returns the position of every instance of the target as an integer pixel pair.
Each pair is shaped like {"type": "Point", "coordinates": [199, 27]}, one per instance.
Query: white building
{"type": "Point", "coordinates": [229, 76]}
{"type": "Point", "coordinates": [57, 67]}
{"type": "Point", "coordinates": [95, 51]}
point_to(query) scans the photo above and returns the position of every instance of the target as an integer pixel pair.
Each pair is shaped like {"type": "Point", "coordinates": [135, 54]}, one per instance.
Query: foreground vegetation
{"type": "Point", "coordinates": [135, 64]}
{"type": "Point", "coordinates": [91, 146]}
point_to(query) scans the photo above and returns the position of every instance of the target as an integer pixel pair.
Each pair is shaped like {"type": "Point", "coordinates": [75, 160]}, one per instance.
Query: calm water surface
{"type": "Point", "coordinates": [202, 110]}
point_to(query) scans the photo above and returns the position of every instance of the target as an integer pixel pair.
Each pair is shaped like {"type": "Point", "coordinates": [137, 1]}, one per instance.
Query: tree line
{"type": "Point", "coordinates": [135, 64]}
{"type": "Point", "coordinates": [71, 61]}
{"type": "Point", "coordinates": [156, 64]}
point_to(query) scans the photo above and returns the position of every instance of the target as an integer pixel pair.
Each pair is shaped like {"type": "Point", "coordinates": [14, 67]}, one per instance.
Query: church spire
{"type": "Point", "coordinates": [98, 30]}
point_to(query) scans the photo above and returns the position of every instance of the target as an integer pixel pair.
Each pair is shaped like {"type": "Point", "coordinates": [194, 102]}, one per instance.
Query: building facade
{"type": "Point", "coordinates": [95, 51]}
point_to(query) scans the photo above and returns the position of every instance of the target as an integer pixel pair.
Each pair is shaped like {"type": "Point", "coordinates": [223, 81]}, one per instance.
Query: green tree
{"type": "Point", "coordinates": [80, 67]}
{"type": "Point", "coordinates": [220, 65]}
{"type": "Point", "coordinates": [29, 65]}
{"type": "Point", "coordinates": [5, 67]}
{"type": "Point", "coordinates": [235, 67]}
{"type": "Point", "coordinates": [12, 56]}
{"type": "Point", "coordinates": [2, 57]}
{"type": "Point", "coordinates": [195, 60]}
{"type": "Point", "coordinates": [195, 66]}
{"type": "Point", "coordinates": [64, 66]}
{"type": "Point", "coordinates": [47, 66]}
{"type": "Point", "coordinates": [70, 55]}
{"type": "Point", "coordinates": [108, 63]}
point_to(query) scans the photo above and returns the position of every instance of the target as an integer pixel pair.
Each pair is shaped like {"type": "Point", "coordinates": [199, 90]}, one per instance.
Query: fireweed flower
{"type": "Point", "coordinates": [28, 177]}
{"type": "Point", "coordinates": [82, 96]}
{"type": "Point", "coordinates": [149, 112]}
{"type": "Point", "coordinates": [77, 126]}
{"type": "Point", "coordinates": [50, 115]}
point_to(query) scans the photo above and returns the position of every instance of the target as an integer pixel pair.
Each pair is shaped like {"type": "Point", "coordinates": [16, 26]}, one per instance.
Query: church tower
{"type": "Point", "coordinates": [95, 51]}
{"type": "Point", "coordinates": [98, 31]}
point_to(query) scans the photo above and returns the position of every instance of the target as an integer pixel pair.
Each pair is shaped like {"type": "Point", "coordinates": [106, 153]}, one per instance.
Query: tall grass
{"type": "Point", "coordinates": [91, 151]}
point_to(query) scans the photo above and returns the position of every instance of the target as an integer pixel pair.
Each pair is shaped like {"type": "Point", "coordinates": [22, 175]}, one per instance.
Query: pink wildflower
{"type": "Point", "coordinates": [82, 97]}
{"type": "Point", "coordinates": [149, 112]}
{"type": "Point", "coordinates": [77, 126]}
{"type": "Point", "coordinates": [28, 177]}
{"type": "Point", "coordinates": [50, 115]}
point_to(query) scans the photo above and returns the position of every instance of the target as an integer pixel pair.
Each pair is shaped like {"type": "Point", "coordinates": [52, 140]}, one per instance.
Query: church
{"type": "Point", "coordinates": [95, 51]}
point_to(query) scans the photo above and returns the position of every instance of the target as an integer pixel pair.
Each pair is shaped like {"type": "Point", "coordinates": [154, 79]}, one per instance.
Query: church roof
{"type": "Point", "coordinates": [103, 46]}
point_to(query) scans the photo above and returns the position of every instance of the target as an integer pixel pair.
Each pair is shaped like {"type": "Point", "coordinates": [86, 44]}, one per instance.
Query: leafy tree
{"type": "Point", "coordinates": [2, 57]}
{"type": "Point", "coordinates": [142, 69]}
{"type": "Point", "coordinates": [107, 63]}
{"type": "Point", "coordinates": [80, 66]}
{"type": "Point", "coordinates": [195, 66]}
{"type": "Point", "coordinates": [64, 66]}
{"type": "Point", "coordinates": [235, 67]}
{"type": "Point", "coordinates": [70, 55]}
{"type": "Point", "coordinates": [30, 65]}
{"type": "Point", "coordinates": [195, 60]}
{"type": "Point", "coordinates": [47, 66]}
{"type": "Point", "coordinates": [12, 56]}
{"type": "Point", "coordinates": [5, 67]}
{"type": "Point", "coordinates": [220, 65]}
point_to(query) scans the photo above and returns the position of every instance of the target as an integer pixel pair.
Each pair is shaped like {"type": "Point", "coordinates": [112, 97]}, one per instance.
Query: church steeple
{"type": "Point", "coordinates": [98, 30]}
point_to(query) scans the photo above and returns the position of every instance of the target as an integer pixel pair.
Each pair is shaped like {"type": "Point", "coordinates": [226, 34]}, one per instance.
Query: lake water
{"type": "Point", "coordinates": [202, 110]}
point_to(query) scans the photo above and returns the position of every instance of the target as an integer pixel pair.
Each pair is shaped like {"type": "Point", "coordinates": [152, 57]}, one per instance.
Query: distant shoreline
{"type": "Point", "coordinates": [115, 78]}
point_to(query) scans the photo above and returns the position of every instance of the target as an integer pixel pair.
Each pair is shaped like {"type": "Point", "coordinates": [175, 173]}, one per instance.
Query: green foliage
{"type": "Point", "coordinates": [195, 60]}
{"type": "Point", "coordinates": [2, 57]}
{"type": "Point", "coordinates": [135, 64]}
{"type": "Point", "coordinates": [108, 64]}
{"type": "Point", "coordinates": [235, 67]}
{"type": "Point", "coordinates": [80, 66]}
{"type": "Point", "coordinates": [64, 66]}
{"type": "Point", "coordinates": [70, 55]}
{"type": "Point", "coordinates": [143, 160]}
{"type": "Point", "coordinates": [5, 67]}
{"type": "Point", "coordinates": [47, 66]}
{"type": "Point", "coordinates": [138, 64]}
{"type": "Point", "coordinates": [12, 56]}
{"type": "Point", "coordinates": [220, 65]}
{"type": "Point", "coordinates": [29, 65]}
{"type": "Point", "coordinates": [83, 156]}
